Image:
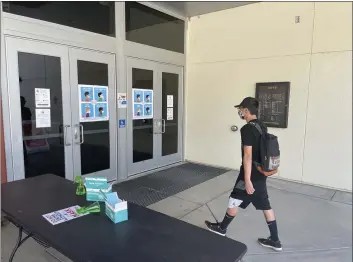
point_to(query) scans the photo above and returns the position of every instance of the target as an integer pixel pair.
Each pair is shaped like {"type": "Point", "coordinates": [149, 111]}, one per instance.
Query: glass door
{"type": "Point", "coordinates": [154, 115]}
{"type": "Point", "coordinates": [92, 77]}
{"type": "Point", "coordinates": [170, 79]}
{"type": "Point", "coordinates": [39, 108]}
{"type": "Point", "coordinates": [142, 131]}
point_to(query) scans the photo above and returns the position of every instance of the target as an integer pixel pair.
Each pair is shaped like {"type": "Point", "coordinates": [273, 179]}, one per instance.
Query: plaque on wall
{"type": "Point", "coordinates": [273, 103]}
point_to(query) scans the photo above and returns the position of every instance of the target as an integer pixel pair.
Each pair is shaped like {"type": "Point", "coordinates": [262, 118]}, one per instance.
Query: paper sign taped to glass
{"type": "Point", "coordinates": [142, 101]}
{"type": "Point", "coordinates": [93, 103]}
{"type": "Point", "coordinates": [42, 97]}
{"type": "Point", "coordinates": [122, 102]}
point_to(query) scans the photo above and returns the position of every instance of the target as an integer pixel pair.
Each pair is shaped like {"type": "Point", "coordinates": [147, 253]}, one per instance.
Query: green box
{"type": "Point", "coordinates": [93, 187]}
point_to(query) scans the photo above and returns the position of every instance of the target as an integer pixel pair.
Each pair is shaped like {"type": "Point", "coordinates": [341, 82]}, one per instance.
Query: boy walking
{"type": "Point", "coordinates": [250, 186]}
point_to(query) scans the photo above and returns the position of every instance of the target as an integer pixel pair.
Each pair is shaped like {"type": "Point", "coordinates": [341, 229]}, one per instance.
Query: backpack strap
{"type": "Point", "coordinates": [257, 126]}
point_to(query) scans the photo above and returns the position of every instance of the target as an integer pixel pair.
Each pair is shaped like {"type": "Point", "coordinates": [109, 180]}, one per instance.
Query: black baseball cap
{"type": "Point", "coordinates": [248, 102]}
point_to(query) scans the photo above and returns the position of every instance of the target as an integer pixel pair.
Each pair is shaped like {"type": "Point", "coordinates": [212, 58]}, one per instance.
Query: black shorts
{"type": "Point", "coordinates": [240, 198]}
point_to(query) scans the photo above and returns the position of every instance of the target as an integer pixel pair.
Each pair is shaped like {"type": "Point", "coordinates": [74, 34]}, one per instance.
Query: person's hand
{"type": "Point", "coordinates": [249, 187]}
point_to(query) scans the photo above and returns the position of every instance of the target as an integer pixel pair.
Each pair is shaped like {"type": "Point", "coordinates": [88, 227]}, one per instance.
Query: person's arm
{"type": "Point", "coordinates": [247, 140]}
{"type": "Point", "coordinates": [247, 161]}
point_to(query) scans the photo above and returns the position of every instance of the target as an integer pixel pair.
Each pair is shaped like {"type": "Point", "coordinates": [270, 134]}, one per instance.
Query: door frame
{"type": "Point", "coordinates": [135, 168]}
{"type": "Point", "coordinates": [158, 161]}
{"type": "Point", "coordinates": [12, 109]}
{"type": "Point", "coordinates": [165, 68]}
{"type": "Point", "coordinates": [76, 54]}
{"type": "Point", "coordinates": [12, 90]}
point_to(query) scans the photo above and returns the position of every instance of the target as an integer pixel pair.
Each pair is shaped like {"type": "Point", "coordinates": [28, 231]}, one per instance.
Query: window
{"type": "Point", "coordinates": [148, 26]}
{"type": "Point", "coordinates": [96, 17]}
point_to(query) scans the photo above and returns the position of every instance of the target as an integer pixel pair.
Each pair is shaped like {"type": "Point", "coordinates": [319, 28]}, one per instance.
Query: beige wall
{"type": "Point", "coordinates": [230, 51]}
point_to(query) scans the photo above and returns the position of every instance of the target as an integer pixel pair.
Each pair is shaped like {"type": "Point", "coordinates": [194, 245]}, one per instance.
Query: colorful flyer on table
{"type": "Point", "coordinates": [63, 215]}
{"type": "Point", "coordinates": [142, 104]}
{"type": "Point", "coordinates": [93, 103]}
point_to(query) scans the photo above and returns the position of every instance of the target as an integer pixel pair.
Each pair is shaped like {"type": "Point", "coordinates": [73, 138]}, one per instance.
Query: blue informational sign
{"type": "Point", "coordinates": [148, 109]}
{"type": "Point", "coordinates": [122, 123]}
{"type": "Point", "coordinates": [86, 93]}
{"type": "Point", "coordinates": [93, 103]}
{"type": "Point", "coordinates": [87, 111]}
{"type": "Point", "coordinates": [148, 96]}
{"type": "Point", "coordinates": [100, 94]}
{"type": "Point", "coordinates": [142, 104]}
{"type": "Point", "coordinates": [138, 110]}
{"type": "Point", "coordinates": [138, 96]}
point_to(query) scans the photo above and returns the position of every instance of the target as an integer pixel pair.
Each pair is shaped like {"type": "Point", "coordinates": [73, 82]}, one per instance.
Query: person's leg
{"type": "Point", "coordinates": [272, 224]}
{"type": "Point", "coordinates": [238, 198]}
{"type": "Point", "coordinates": [231, 213]}
{"type": "Point", "coordinates": [262, 203]}
{"type": "Point", "coordinates": [221, 228]}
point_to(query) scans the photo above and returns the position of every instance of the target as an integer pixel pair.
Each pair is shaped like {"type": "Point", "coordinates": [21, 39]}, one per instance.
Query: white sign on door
{"type": "Point", "coordinates": [122, 102]}
{"type": "Point", "coordinates": [169, 101]}
{"type": "Point", "coordinates": [42, 97]}
{"type": "Point", "coordinates": [43, 118]}
{"type": "Point", "coordinates": [170, 114]}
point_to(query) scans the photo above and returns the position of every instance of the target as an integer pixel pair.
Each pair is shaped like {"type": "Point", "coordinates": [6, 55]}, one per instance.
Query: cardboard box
{"type": "Point", "coordinates": [115, 208]}
{"type": "Point", "coordinates": [93, 187]}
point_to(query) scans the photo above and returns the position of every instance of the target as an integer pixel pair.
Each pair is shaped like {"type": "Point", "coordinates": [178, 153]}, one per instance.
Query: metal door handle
{"type": "Point", "coordinates": [81, 135]}
{"type": "Point", "coordinates": [163, 126]}
{"type": "Point", "coordinates": [234, 128]}
{"type": "Point", "coordinates": [65, 134]}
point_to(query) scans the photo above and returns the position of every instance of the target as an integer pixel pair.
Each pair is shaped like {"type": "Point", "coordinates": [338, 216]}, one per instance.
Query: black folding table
{"type": "Point", "coordinates": [147, 236]}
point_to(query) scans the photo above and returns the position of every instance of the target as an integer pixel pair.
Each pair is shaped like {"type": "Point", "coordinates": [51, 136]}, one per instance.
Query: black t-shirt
{"type": "Point", "coordinates": [250, 136]}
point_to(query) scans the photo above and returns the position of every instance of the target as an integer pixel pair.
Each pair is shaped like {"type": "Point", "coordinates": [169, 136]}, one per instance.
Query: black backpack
{"type": "Point", "coordinates": [269, 152]}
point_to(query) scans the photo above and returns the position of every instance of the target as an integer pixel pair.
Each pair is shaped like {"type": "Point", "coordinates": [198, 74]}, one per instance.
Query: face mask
{"type": "Point", "coordinates": [241, 114]}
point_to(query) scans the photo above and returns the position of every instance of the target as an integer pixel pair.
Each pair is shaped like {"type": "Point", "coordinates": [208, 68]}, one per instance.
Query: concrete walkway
{"type": "Point", "coordinates": [315, 224]}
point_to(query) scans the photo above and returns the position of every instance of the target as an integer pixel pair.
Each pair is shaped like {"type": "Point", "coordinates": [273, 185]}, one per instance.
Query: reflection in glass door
{"type": "Point", "coordinates": [154, 142]}
{"type": "Point", "coordinates": [39, 94]}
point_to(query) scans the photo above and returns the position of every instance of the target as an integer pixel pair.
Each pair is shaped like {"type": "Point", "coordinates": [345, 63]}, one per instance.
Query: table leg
{"type": "Point", "coordinates": [19, 242]}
